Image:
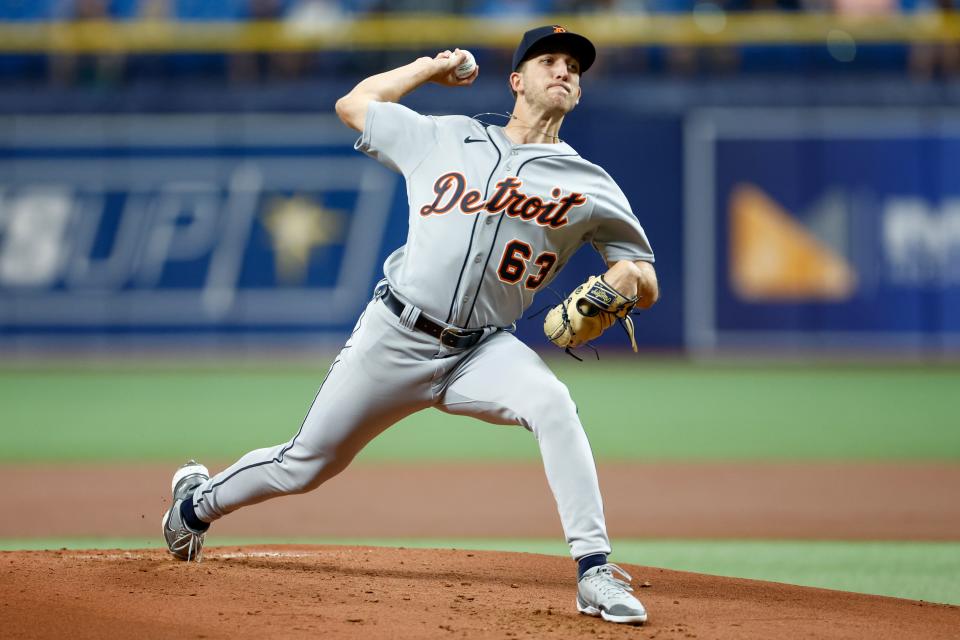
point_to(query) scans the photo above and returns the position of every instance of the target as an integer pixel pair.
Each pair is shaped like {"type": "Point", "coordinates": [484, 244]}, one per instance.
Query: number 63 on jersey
{"type": "Point", "coordinates": [516, 262]}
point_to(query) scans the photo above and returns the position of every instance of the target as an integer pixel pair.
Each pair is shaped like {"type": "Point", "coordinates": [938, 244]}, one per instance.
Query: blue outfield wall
{"type": "Point", "coordinates": [771, 227]}
{"type": "Point", "coordinates": [188, 224]}
{"type": "Point", "coordinates": [823, 227]}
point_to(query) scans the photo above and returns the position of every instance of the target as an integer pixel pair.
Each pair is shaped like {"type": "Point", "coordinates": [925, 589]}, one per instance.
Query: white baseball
{"type": "Point", "coordinates": [466, 67]}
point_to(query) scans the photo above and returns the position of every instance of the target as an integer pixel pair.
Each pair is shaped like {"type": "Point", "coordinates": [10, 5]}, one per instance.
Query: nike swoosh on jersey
{"type": "Point", "coordinates": [469, 139]}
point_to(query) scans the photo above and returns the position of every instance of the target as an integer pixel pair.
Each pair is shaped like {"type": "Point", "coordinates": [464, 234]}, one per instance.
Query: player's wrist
{"type": "Point", "coordinates": [625, 277]}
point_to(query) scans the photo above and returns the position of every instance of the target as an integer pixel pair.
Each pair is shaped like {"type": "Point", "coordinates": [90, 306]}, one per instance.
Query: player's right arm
{"type": "Point", "coordinates": [392, 85]}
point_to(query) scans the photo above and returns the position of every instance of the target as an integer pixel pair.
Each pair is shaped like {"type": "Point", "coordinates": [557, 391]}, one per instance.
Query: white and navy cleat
{"type": "Point", "coordinates": [183, 542]}
{"type": "Point", "coordinates": [601, 593]}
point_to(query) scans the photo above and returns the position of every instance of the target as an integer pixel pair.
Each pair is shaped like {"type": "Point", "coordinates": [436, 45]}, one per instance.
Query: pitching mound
{"type": "Point", "coordinates": [369, 592]}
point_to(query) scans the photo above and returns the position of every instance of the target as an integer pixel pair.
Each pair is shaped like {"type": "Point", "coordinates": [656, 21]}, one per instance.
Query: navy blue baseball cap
{"type": "Point", "coordinates": [542, 39]}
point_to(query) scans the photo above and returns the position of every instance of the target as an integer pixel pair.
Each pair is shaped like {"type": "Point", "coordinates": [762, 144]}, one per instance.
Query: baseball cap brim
{"type": "Point", "coordinates": [573, 43]}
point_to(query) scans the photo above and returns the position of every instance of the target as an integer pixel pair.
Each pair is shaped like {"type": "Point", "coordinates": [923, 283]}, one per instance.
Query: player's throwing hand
{"type": "Point", "coordinates": [445, 65]}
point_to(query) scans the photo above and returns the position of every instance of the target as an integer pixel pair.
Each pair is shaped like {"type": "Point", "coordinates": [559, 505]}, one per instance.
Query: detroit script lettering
{"type": "Point", "coordinates": [451, 191]}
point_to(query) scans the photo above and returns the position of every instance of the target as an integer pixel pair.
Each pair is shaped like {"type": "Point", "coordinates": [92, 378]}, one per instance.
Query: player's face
{"type": "Point", "coordinates": [551, 81]}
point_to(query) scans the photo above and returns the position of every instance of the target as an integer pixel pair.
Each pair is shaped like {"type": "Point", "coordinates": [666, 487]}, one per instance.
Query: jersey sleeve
{"type": "Point", "coordinates": [396, 136]}
{"type": "Point", "coordinates": [617, 234]}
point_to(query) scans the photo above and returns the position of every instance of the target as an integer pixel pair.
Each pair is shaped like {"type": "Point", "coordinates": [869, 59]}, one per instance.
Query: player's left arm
{"type": "Point", "coordinates": [630, 280]}
{"type": "Point", "coordinates": [634, 278]}
{"type": "Point", "coordinates": [623, 243]}
{"type": "Point", "coordinates": [595, 305]}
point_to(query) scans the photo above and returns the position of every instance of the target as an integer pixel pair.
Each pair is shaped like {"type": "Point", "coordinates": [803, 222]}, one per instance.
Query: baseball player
{"type": "Point", "coordinates": [495, 213]}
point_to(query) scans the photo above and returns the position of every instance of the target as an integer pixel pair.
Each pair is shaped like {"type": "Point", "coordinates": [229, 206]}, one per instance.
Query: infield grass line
{"type": "Point", "coordinates": [913, 570]}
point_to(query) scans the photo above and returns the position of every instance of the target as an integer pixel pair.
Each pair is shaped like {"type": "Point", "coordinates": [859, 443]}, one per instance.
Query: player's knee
{"type": "Point", "coordinates": [552, 404]}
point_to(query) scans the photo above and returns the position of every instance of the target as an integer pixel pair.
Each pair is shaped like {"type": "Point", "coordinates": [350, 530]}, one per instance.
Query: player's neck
{"type": "Point", "coordinates": [526, 127]}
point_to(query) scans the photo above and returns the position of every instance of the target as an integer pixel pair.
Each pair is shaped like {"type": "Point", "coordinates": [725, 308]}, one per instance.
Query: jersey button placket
{"type": "Point", "coordinates": [509, 165]}
{"type": "Point", "coordinates": [483, 242]}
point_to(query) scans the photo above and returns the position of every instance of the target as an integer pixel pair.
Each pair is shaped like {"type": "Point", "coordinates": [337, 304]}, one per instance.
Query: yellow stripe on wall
{"type": "Point", "coordinates": [431, 31]}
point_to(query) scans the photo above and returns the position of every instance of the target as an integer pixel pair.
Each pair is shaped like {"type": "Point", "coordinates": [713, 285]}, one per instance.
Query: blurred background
{"type": "Point", "coordinates": [187, 236]}
{"type": "Point", "coordinates": [172, 172]}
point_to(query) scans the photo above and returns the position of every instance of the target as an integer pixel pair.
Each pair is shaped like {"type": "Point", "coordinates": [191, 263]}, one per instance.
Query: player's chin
{"type": "Point", "coordinates": [561, 102]}
{"type": "Point", "coordinates": [567, 105]}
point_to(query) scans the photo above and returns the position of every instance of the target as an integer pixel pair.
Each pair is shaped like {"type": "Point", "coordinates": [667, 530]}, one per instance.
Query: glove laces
{"type": "Point", "coordinates": [627, 324]}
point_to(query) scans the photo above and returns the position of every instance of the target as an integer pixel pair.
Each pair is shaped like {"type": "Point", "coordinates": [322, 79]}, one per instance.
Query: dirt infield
{"type": "Point", "coordinates": [371, 593]}
{"type": "Point", "coordinates": [826, 501]}
{"type": "Point", "coordinates": [355, 592]}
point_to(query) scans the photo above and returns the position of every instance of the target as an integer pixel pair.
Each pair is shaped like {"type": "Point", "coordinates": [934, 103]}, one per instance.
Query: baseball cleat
{"type": "Point", "coordinates": [183, 542]}
{"type": "Point", "coordinates": [600, 593]}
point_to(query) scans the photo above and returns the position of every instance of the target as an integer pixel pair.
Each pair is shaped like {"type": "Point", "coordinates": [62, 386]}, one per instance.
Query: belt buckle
{"type": "Point", "coordinates": [450, 331]}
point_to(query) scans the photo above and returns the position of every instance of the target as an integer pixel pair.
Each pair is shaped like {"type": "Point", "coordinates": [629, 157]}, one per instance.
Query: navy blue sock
{"type": "Point", "coordinates": [586, 563]}
{"type": "Point", "coordinates": [189, 517]}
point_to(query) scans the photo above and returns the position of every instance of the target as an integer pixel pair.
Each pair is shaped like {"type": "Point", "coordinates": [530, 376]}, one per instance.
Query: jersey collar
{"type": "Point", "coordinates": [533, 147]}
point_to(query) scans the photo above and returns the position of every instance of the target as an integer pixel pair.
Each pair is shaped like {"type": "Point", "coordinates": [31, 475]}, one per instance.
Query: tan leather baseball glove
{"type": "Point", "coordinates": [588, 312]}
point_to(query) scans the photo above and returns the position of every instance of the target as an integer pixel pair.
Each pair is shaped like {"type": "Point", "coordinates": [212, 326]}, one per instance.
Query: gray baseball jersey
{"type": "Point", "coordinates": [491, 222]}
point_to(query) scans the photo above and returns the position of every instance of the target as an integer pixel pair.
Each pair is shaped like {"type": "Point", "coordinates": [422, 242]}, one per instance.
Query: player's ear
{"type": "Point", "coordinates": [516, 82]}
{"type": "Point", "coordinates": [579, 94]}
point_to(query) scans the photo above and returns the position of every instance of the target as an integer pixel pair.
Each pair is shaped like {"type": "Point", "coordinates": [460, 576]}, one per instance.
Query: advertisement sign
{"type": "Point", "coordinates": [187, 222]}
{"type": "Point", "coordinates": [822, 227]}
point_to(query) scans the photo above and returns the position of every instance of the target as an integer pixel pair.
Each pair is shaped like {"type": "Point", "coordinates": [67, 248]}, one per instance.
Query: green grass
{"type": "Point", "coordinates": [632, 409]}
{"type": "Point", "coordinates": [916, 570]}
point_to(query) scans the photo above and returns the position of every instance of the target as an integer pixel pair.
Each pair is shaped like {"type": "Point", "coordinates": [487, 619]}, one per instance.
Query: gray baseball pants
{"type": "Point", "coordinates": [388, 370]}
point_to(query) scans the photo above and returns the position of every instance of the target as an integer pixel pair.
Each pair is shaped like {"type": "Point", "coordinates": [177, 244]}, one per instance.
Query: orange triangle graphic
{"type": "Point", "coordinates": [773, 257]}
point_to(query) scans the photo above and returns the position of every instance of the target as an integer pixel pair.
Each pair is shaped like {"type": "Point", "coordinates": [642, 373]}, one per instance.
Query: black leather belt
{"type": "Point", "coordinates": [449, 336]}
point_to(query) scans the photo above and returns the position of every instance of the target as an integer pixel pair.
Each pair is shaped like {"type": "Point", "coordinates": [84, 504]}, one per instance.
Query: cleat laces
{"type": "Point", "coordinates": [608, 584]}
{"type": "Point", "coordinates": [189, 541]}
